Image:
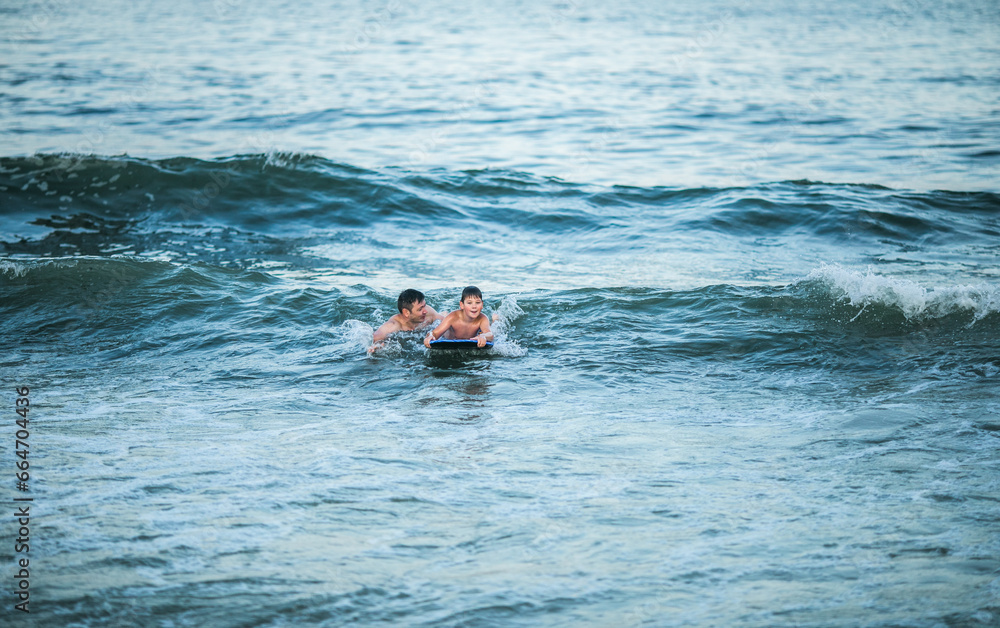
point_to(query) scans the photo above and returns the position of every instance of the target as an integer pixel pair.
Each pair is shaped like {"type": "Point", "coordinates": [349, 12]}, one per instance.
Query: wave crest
{"type": "Point", "coordinates": [912, 299]}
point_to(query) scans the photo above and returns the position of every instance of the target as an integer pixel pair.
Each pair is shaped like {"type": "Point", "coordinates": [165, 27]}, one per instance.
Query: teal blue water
{"type": "Point", "coordinates": [745, 257]}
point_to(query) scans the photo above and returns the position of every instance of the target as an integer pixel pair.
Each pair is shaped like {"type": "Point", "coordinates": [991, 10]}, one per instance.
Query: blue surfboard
{"type": "Point", "coordinates": [457, 344]}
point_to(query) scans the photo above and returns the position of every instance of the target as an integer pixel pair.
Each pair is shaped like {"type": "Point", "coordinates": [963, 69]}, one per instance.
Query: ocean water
{"type": "Point", "coordinates": [746, 258]}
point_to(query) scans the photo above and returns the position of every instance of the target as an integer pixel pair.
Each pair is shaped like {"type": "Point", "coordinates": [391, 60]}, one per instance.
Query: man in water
{"type": "Point", "coordinates": [467, 322]}
{"type": "Point", "coordinates": [414, 313]}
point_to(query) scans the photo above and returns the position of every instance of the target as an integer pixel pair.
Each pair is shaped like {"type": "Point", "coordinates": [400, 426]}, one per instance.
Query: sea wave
{"type": "Point", "coordinates": [292, 246]}
{"type": "Point", "coordinates": [915, 301]}
{"type": "Point", "coordinates": [830, 293]}
{"type": "Point", "coordinates": [278, 194]}
{"type": "Point", "coordinates": [251, 322]}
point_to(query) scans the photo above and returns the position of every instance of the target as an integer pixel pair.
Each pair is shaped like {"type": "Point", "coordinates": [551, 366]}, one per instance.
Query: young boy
{"type": "Point", "coordinates": [414, 313]}
{"type": "Point", "coordinates": [468, 321]}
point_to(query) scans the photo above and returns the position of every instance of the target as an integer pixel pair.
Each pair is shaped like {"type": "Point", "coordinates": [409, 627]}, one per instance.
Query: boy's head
{"type": "Point", "coordinates": [411, 300]}
{"type": "Point", "coordinates": [472, 301]}
{"type": "Point", "coordinates": [471, 291]}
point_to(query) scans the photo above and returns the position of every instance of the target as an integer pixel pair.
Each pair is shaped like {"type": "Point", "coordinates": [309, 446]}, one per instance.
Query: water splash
{"type": "Point", "coordinates": [14, 269]}
{"type": "Point", "coordinates": [506, 313]}
{"type": "Point", "coordinates": [912, 299]}
{"type": "Point", "coordinates": [356, 335]}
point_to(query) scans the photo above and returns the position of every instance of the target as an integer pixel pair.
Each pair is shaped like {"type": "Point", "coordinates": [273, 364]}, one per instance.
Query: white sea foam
{"type": "Point", "coordinates": [503, 345]}
{"type": "Point", "coordinates": [14, 269]}
{"type": "Point", "coordinates": [509, 309]}
{"type": "Point", "coordinates": [913, 299]}
{"type": "Point", "coordinates": [18, 268]}
{"type": "Point", "coordinates": [356, 334]}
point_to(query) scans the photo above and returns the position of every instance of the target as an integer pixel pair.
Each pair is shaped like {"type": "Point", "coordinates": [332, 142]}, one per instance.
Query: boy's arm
{"type": "Point", "coordinates": [438, 331]}
{"type": "Point", "coordinates": [485, 333]}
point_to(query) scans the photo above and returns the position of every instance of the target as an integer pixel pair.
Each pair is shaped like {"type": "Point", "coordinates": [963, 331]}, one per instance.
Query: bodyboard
{"type": "Point", "coordinates": [446, 345]}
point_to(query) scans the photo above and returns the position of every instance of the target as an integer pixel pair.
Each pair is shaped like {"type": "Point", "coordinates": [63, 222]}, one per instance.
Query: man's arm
{"type": "Point", "coordinates": [388, 327]}
{"type": "Point", "coordinates": [434, 316]}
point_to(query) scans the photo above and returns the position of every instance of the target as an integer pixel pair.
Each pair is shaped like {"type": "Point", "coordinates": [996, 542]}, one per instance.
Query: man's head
{"type": "Point", "coordinates": [412, 305]}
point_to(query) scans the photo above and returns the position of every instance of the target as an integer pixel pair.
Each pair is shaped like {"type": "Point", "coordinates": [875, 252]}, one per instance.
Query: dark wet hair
{"type": "Point", "coordinates": [471, 291]}
{"type": "Point", "coordinates": [407, 298]}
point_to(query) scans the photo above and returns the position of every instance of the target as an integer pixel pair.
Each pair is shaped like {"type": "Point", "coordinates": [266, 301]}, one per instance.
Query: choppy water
{"type": "Point", "coordinates": [746, 254]}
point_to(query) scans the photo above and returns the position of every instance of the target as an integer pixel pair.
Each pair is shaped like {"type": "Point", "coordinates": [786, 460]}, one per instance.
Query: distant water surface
{"type": "Point", "coordinates": [639, 93]}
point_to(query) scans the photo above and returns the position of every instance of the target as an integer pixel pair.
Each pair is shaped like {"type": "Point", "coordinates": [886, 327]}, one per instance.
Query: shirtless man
{"type": "Point", "coordinates": [414, 313]}
{"type": "Point", "coordinates": [468, 321]}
